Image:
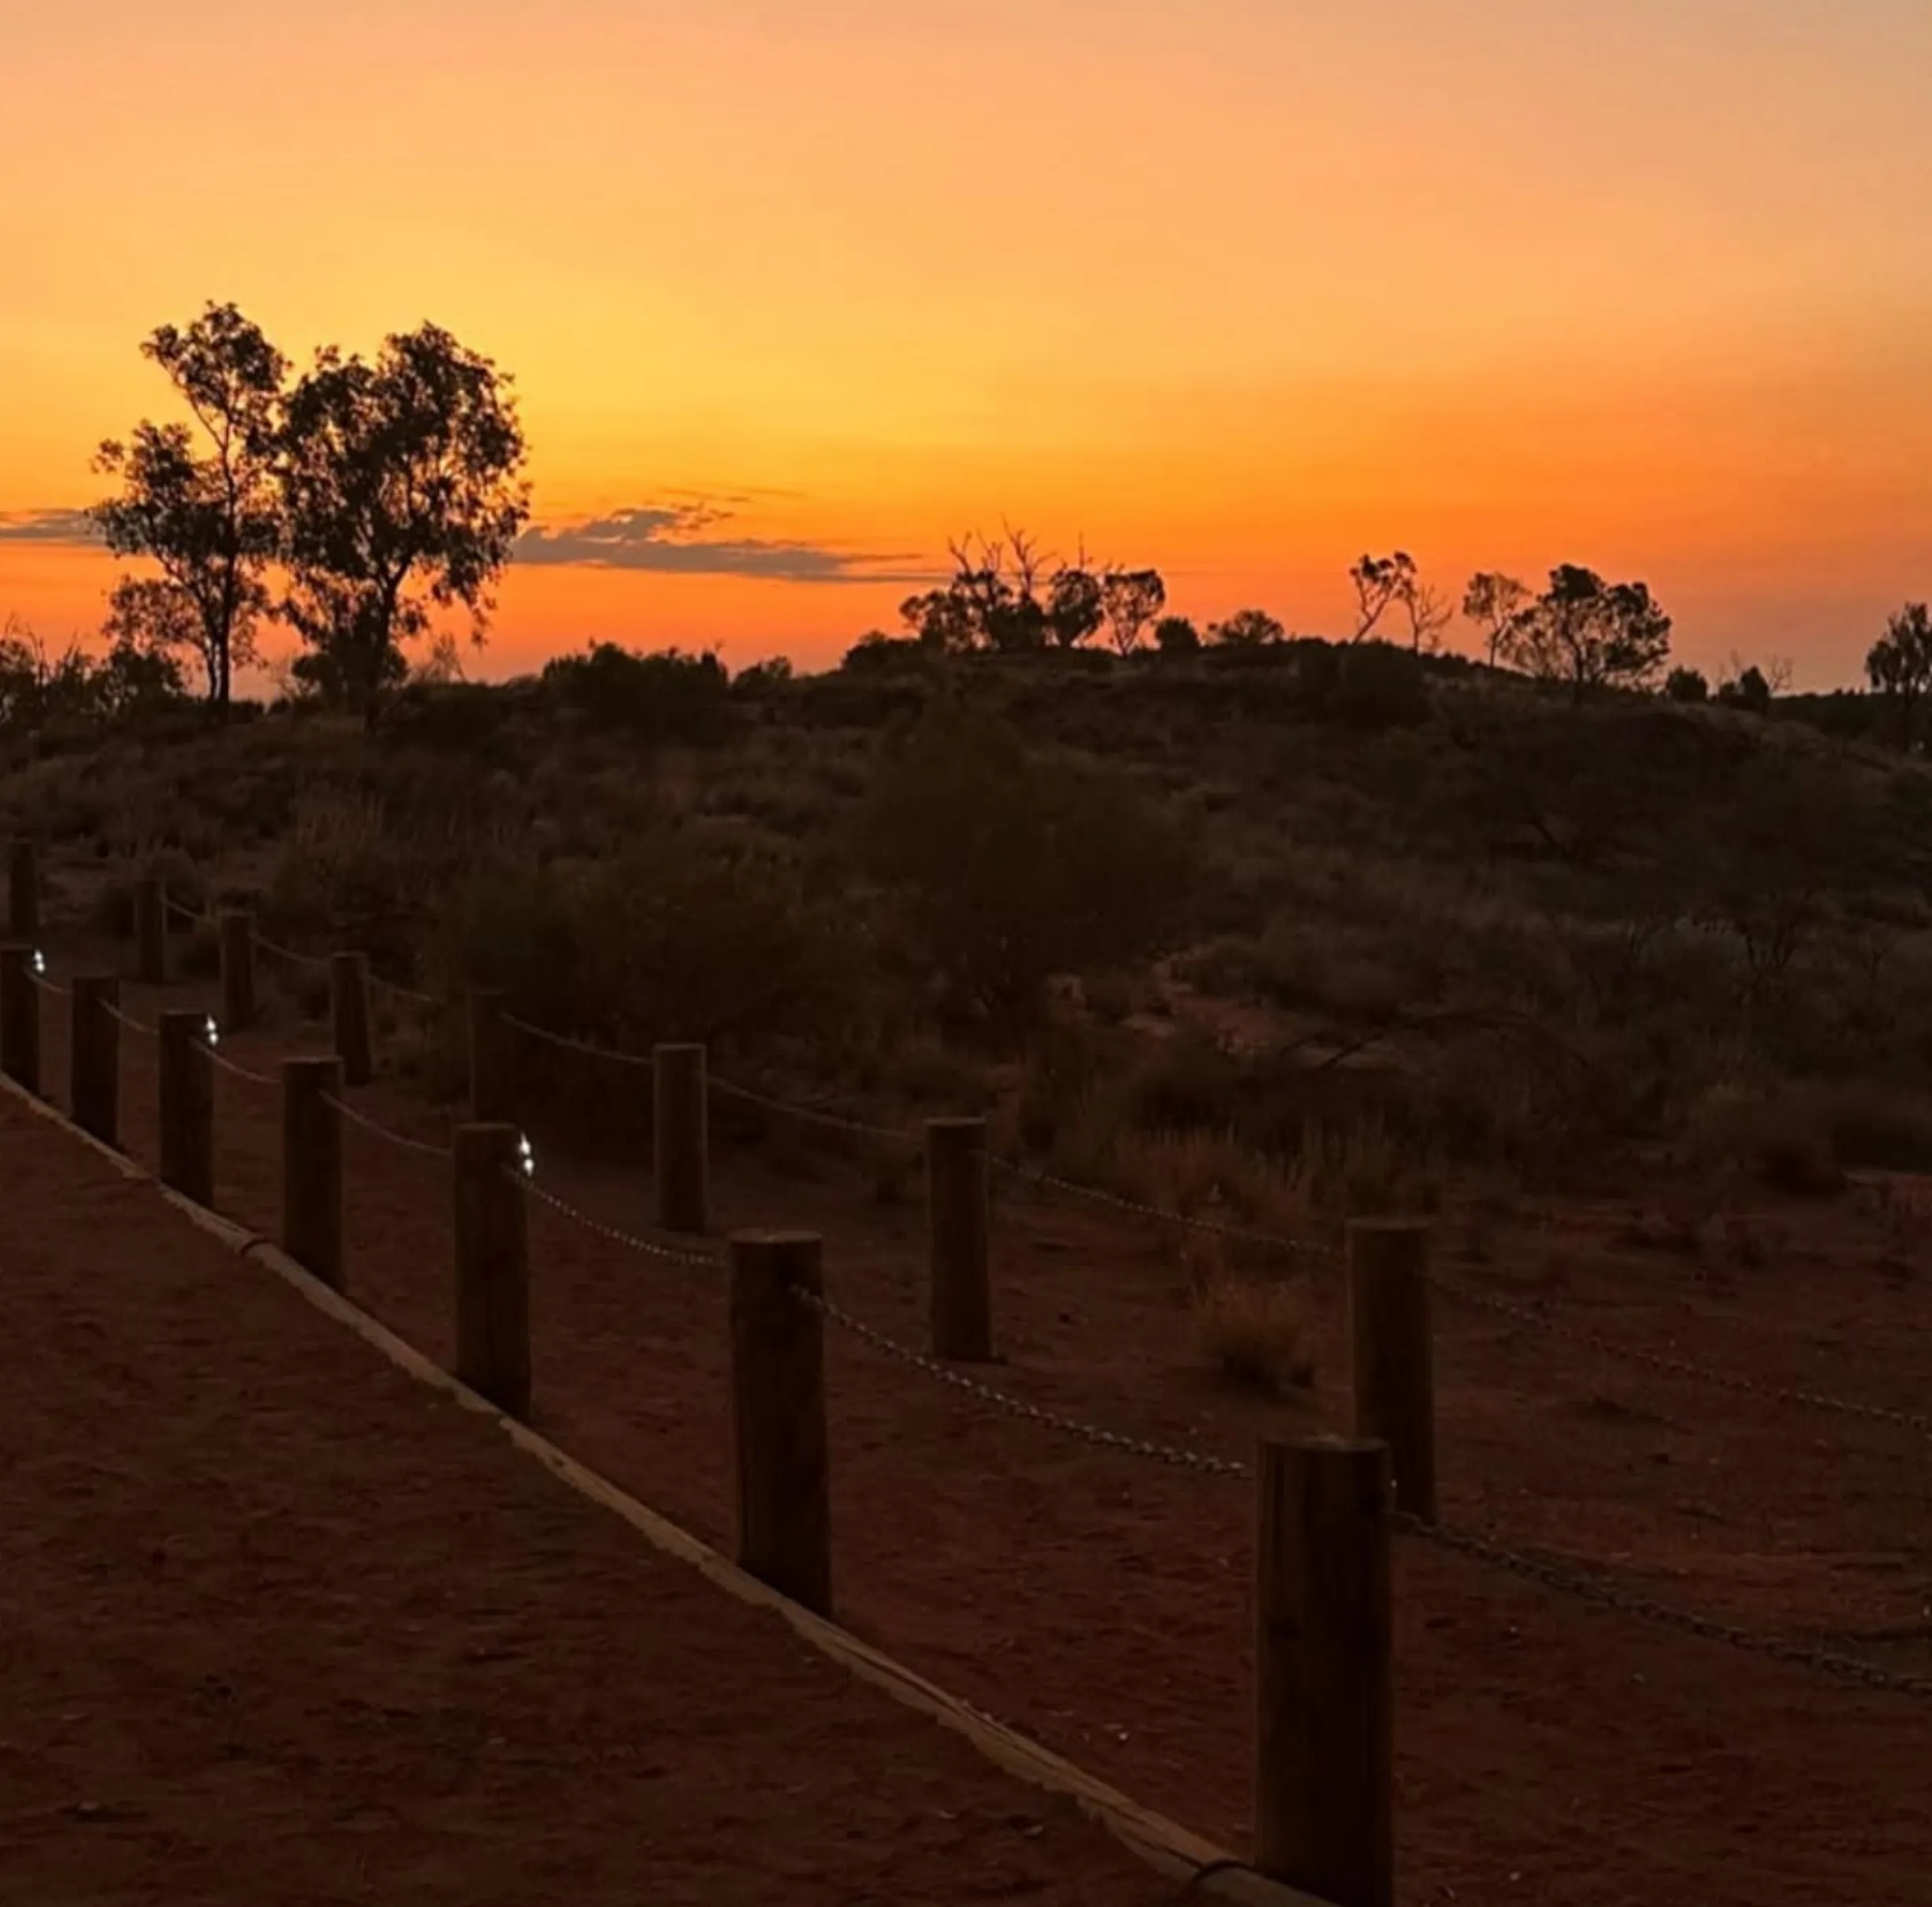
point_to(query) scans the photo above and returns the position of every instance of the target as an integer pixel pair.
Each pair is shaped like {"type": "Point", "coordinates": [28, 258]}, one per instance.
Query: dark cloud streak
{"type": "Point", "coordinates": [68, 526]}
{"type": "Point", "coordinates": [668, 537]}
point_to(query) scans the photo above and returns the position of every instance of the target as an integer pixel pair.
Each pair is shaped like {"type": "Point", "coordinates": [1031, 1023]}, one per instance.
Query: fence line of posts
{"type": "Point", "coordinates": [1323, 1734]}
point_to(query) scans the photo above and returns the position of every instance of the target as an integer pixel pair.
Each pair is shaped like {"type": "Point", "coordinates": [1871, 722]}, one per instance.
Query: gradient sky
{"type": "Point", "coordinates": [794, 290]}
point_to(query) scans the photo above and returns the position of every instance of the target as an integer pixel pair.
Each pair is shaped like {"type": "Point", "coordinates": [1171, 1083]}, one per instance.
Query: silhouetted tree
{"type": "Point", "coordinates": [199, 501]}
{"type": "Point", "coordinates": [1130, 600]}
{"type": "Point", "coordinates": [1684, 685]}
{"type": "Point", "coordinates": [1381, 582]}
{"type": "Point", "coordinates": [1428, 613]}
{"type": "Point", "coordinates": [1074, 604]}
{"type": "Point", "coordinates": [1246, 629]}
{"type": "Point", "coordinates": [402, 490]}
{"type": "Point", "coordinates": [1899, 667]}
{"type": "Point", "coordinates": [1590, 633]}
{"type": "Point", "coordinates": [1493, 601]}
{"type": "Point", "coordinates": [1176, 635]}
{"type": "Point", "coordinates": [1748, 689]}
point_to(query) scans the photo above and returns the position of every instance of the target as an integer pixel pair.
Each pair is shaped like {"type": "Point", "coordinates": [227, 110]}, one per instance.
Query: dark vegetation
{"type": "Point", "coordinates": [1226, 919]}
{"type": "Point", "coordinates": [1277, 931]}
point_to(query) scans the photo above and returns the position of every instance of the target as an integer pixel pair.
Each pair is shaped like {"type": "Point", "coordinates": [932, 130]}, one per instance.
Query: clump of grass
{"type": "Point", "coordinates": [1255, 1332]}
{"type": "Point", "coordinates": [1781, 1137]}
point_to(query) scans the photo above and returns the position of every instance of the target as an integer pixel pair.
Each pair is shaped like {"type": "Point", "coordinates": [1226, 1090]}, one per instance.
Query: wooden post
{"type": "Point", "coordinates": [492, 1269]}
{"type": "Point", "coordinates": [1393, 1352]}
{"type": "Point", "coordinates": [94, 1056]}
{"type": "Point", "coordinates": [956, 1216]}
{"type": "Point", "coordinates": [349, 1007]}
{"type": "Point", "coordinates": [312, 1167]}
{"type": "Point", "coordinates": [1323, 1694]}
{"type": "Point", "coordinates": [151, 931]}
{"type": "Point", "coordinates": [23, 890]}
{"type": "Point", "coordinates": [778, 1409]}
{"type": "Point", "coordinates": [238, 970]}
{"type": "Point", "coordinates": [490, 1091]}
{"type": "Point", "coordinates": [187, 1105]}
{"type": "Point", "coordinates": [680, 1140]}
{"type": "Point", "coordinates": [20, 1018]}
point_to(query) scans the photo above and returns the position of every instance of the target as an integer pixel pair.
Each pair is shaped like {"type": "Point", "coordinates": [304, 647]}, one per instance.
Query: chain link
{"type": "Point", "coordinates": [400, 992]}
{"type": "Point", "coordinates": [711, 1261]}
{"type": "Point", "coordinates": [133, 1025]}
{"type": "Point", "coordinates": [1594, 1589]}
{"type": "Point", "coordinates": [400, 1140]}
{"type": "Point", "coordinates": [570, 1045]}
{"type": "Point", "coordinates": [1272, 1241]}
{"type": "Point", "coordinates": [314, 962]}
{"type": "Point", "coordinates": [51, 988]}
{"type": "Point", "coordinates": [1675, 1366]}
{"type": "Point", "coordinates": [813, 1115]}
{"type": "Point", "coordinates": [241, 1071]}
{"type": "Point", "coordinates": [1177, 1456]}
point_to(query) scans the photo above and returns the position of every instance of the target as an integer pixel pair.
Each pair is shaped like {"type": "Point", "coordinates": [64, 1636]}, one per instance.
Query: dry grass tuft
{"type": "Point", "coordinates": [1257, 1332]}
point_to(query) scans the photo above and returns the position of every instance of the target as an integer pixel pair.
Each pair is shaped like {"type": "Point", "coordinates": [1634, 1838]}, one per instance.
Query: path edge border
{"type": "Point", "coordinates": [1171, 1849]}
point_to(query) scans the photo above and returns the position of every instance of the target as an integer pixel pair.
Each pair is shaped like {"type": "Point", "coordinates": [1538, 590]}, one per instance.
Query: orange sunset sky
{"type": "Point", "coordinates": [1240, 288]}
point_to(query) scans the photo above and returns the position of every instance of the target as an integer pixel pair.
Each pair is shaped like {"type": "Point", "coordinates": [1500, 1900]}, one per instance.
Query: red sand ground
{"type": "Point", "coordinates": [278, 1624]}
{"type": "Point", "coordinates": [1549, 1750]}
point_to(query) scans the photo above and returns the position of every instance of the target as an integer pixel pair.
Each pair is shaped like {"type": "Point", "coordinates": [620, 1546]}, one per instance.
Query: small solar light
{"type": "Point", "coordinates": [213, 1032]}
{"type": "Point", "coordinates": [529, 1156]}
{"type": "Point", "coordinates": [40, 963]}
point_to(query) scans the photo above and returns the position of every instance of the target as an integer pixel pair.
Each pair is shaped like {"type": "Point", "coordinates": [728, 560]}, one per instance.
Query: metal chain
{"type": "Point", "coordinates": [711, 1261]}
{"type": "Point", "coordinates": [398, 1140]}
{"type": "Point", "coordinates": [1604, 1595]}
{"type": "Point", "coordinates": [813, 1115]}
{"type": "Point", "coordinates": [406, 993]}
{"type": "Point", "coordinates": [133, 1025]}
{"type": "Point", "coordinates": [1675, 1366]}
{"type": "Point", "coordinates": [1239, 1234]}
{"type": "Point", "coordinates": [577, 1046]}
{"type": "Point", "coordinates": [182, 908]}
{"type": "Point", "coordinates": [1175, 1455]}
{"type": "Point", "coordinates": [51, 988]}
{"type": "Point", "coordinates": [313, 961]}
{"type": "Point", "coordinates": [241, 1071]}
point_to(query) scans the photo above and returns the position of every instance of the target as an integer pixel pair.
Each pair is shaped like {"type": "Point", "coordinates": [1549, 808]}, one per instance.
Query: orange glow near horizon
{"type": "Point", "coordinates": [1241, 290]}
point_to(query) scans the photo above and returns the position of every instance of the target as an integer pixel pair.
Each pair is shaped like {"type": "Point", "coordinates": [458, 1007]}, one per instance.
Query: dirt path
{"type": "Point", "coordinates": [1549, 1748]}
{"type": "Point", "coordinates": [278, 1624]}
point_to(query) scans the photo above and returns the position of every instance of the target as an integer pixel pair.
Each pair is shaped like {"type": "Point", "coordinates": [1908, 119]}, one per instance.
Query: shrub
{"type": "Point", "coordinates": [1012, 868]}
{"type": "Point", "coordinates": [665, 696]}
{"type": "Point", "coordinates": [1255, 1331]}
{"type": "Point", "coordinates": [1380, 686]}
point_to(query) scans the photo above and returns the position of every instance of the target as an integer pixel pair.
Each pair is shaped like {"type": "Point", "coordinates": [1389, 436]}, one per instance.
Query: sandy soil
{"type": "Point", "coordinates": [1549, 1750]}
{"type": "Point", "coordinates": [278, 1624]}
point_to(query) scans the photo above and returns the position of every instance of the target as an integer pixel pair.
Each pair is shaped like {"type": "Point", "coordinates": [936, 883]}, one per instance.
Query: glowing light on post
{"type": "Point", "coordinates": [527, 1155]}
{"type": "Point", "coordinates": [211, 1032]}
{"type": "Point", "coordinates": [40, 965]}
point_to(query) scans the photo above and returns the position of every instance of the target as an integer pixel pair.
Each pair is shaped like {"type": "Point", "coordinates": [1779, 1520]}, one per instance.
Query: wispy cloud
{"type": "Point", "coordinates": [46, 526]}
{"type": "Point", "coordinates": [670, 537]}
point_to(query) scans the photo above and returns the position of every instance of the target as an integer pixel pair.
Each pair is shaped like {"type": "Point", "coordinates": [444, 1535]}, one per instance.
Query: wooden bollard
{"type": "Point", "coordinates": [778, 1415]}
{"type": "Point", "coordinates": [957, 1220]}
{"type": "Point", "coordinates": [312, 1167]}
{"type": "Point", "coordinates": [348, 1012]}
{"type": "Point", "coordinates": [490, 1088]}
{"type": "Point", "coordinates": [680, 1142]}
{"type": "Point", "coordinates": [237, 930]}
{"type": "Point", "coordinates": [23, 890]}
{"type": "Point", "coordinates": [1393, 1352]}
{"type": "Point", "coordinates": [1324, 1694]}
{"type": "Point", "coordinates": [151, 931]}
{"type": "Point", "coordinates": [94, 1056]}
{"type": "Point", "coordinates": [20, 1017]}
{"type": "Point", "coordinates": [492, 1268]}
{"type": "Point", "coordinates": [187, 1105]}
